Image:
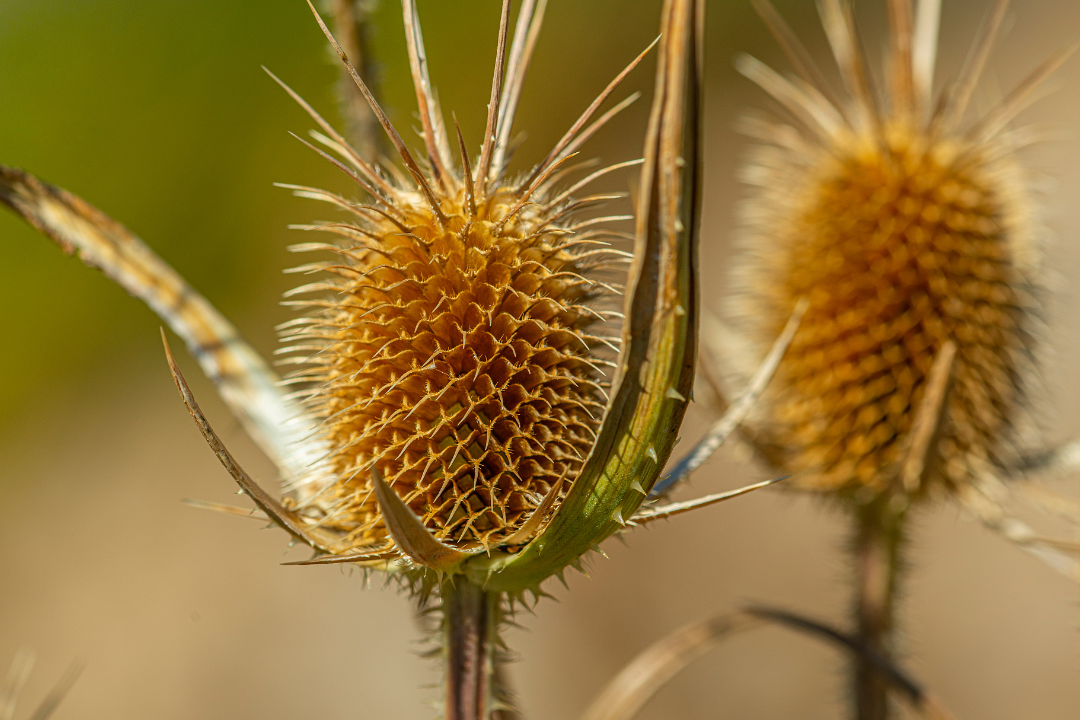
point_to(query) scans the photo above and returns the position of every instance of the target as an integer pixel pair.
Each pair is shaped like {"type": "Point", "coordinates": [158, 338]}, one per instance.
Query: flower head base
{"type": "Point", "coordinates": [908, 230]}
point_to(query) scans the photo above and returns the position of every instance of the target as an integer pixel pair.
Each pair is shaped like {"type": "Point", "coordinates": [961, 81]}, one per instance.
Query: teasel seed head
{"type": "Point", "coordinates": [454, 364]}
{"type": "Point", "coordinates": [454, 350]}
{"type": "Point", "coordinates": [909, 230]}
{"type": "Point", "coordinates": [458, 410]}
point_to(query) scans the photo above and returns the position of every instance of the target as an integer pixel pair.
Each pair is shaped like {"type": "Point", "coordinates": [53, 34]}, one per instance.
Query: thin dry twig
{"type": "Point", "coordinates": [352, 30]}
{"type": "Point", "coordinates": [720, 430]}
{"type": "Point", "coordinates": [922, 701]}
{"type": "Point", "coordinates": [639, 681]}
{"type": "Point", "coordinates": [643, 677]}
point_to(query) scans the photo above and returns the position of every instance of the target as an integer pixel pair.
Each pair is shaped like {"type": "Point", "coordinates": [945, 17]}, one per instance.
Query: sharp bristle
{"type": "Point", "coordinates": [956, 104]}
{"type": "Point", "coordinates": [388, 127]}
{"type": "Point", "coordinates": [813, 112]}
{"type": "Point", "coordinates": [839, 25]}
{"type": "Point", "coordinates": [424, 98]}
{"type": "Point", "coordinates": [901, 31]}
{"type": "Point", "coordinates": [340, 141]}
{"type": "Point", "coordinates": [470, 198]}
{"type": "Point", "coordinates": [1021, 97]}
{"type": "Point", "coordinates": [526, 32]}
{"type": "Point", "coordinates": [797, 54]}
{"type": "Point", "coordinates": [343, 168]}
{"type": "Point", "coordinates": [491, 129]}
{"type": "Point", "coordinates": [563, 144]}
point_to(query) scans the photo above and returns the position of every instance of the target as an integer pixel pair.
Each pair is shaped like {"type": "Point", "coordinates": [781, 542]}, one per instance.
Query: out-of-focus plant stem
{"type": "Point", "coordinates": [353, 32]}
{"type": "Point", "coordinates": [879, 534]}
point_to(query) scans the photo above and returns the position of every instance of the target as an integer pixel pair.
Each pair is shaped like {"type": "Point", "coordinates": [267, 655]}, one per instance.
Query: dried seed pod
{"type": "Point", "coordinates": [906, 225]}
{"type": "Point", "coordinates": [453, 412]}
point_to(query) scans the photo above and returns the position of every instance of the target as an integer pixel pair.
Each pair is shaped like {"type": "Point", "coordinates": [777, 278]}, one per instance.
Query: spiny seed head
{"type": "Point", "coordinates": [456, 356]}
{"type": "Point", "coordinates": [452, 348]}
{"type": "Point", "coordinates": [905, 228]}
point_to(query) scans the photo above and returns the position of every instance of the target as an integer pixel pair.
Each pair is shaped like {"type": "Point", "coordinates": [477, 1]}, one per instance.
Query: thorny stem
{"type": "Point", "coordinates": [470, 626]}
{"type": "Point", "coordinates": [878, 542]}
{"type": "Point", "coordinates": [353, 32]}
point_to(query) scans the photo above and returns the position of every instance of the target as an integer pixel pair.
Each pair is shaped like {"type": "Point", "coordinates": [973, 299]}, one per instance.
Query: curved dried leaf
{"type": "Point", "coordinates": [409, 532]}
{"type": "Point", "coordinates": [244, 381]}
{"type": "Point", "coordinates": [289, 521]}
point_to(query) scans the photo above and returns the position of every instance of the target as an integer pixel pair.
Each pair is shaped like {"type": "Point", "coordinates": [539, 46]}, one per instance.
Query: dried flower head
{"type": "Point", "coordinates": [457, 407]}
{"type": "Point", "coordinates": [908, 228]}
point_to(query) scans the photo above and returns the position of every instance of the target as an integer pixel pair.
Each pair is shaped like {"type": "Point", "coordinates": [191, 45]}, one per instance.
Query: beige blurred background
{"type": "Point", "coordinates": [158, 113]}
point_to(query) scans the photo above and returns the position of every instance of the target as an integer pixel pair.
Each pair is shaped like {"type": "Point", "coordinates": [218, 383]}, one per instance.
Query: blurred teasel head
{"type": "Point", "coordinates": [906, 224]}
{"type": "Point", "coordinates": [459, 407]}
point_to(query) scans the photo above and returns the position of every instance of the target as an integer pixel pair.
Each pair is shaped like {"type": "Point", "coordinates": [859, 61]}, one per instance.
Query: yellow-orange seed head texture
{"type": "Point", "coordinates": [459, 359]}
{"type": "Point", "coordinates": [904, 227]}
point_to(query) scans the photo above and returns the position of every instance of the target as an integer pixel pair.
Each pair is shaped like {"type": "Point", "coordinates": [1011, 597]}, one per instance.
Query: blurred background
{"type": "Point", "coordinates": [159, 114]}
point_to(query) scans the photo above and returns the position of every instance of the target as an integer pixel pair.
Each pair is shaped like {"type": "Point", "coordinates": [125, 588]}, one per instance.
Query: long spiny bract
{"type": "Point", "coordinates": [905, 226]}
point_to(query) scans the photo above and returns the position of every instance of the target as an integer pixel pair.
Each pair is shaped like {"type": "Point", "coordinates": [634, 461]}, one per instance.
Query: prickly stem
{"type": "Point", "coordinates": [470, 625]}
{"type": "Point", "coordinates": [878, 544]}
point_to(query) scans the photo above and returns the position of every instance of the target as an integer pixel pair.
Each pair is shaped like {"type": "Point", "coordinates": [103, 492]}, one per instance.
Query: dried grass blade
{"type": "Point", "coordinates": [979, 500]}
{"type": "Point", "coordinates": [17, 675]}
{"type": "Point", "coordinates": [925, 704]}
{"type": "Point", "coordinates": [1055, 462]}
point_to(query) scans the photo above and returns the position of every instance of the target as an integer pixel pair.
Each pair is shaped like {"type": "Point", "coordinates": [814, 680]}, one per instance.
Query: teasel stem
{"type": "Point", "coordinates": [352, 31]}
{"type": "Point", "coordinates": [878, 544]}
{"type": "Point", "coordinates": [470, 631]}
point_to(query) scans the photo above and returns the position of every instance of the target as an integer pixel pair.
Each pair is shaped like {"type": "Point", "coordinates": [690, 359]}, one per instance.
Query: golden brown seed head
{"type": "Point", "coordinates": [455, 355]}
{"type": "Point", "coordinates": [903, 231]}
